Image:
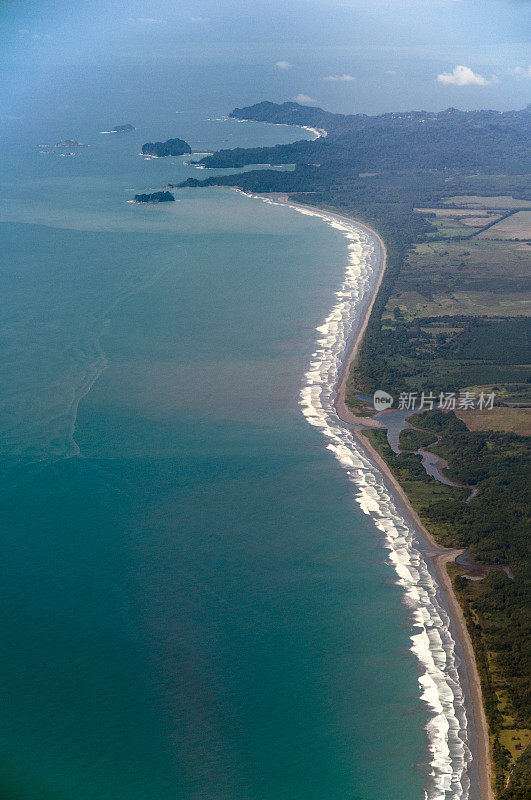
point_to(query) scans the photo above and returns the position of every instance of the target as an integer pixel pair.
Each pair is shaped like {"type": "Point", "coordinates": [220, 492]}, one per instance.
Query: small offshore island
{"type": "Point", "coordinates": [127, 128]}
{"type": "Point", "coordinates": [155, 197]}
{"type": "Point", "coordinates": [66, 144]}
{"type": "Point", "coordinates": [171, 147]}
{"type": "Point", "coordinates": [448, 193]}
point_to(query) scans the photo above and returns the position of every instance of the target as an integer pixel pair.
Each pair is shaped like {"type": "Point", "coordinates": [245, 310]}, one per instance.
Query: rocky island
{"type": "Point", "coordinates": [171, 147]}
{"type": "Point", "coordinates": [123, 128]}
{"type": "Point", "coordinates": [155, 197]}
{"type": "Point", "coordinates": [65, 144]}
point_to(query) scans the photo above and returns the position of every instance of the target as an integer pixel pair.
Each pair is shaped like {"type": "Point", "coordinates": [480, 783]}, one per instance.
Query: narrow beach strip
{"type": "Point", "coordinates": [419, 562]}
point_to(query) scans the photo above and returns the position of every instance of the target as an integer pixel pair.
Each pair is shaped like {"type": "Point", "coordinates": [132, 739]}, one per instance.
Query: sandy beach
{"type": "Point", "coordinates": [439, 555]}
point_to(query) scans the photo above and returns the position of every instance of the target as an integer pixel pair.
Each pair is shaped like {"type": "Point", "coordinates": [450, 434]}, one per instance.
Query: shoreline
{"type": "Point", "coordinates": [438, 555]}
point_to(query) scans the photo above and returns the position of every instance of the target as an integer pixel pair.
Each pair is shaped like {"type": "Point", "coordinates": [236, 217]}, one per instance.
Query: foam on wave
{"type": "Point", "coordinates": [431, 640]}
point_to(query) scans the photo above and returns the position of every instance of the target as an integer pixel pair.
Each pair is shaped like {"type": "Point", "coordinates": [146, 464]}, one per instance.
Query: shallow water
{"type": "Point", "coordinates": [195, 605]}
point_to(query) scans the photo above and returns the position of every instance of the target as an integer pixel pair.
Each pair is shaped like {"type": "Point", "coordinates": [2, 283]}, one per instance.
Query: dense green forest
{"type": "Point", "coordinates": [450, 315]}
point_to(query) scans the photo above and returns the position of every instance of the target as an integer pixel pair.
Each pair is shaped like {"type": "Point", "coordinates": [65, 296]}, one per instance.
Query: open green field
{"type": "Point", "coordinates": [498, 419]}
{"type": "Point", "coordinates": [475, 277]}
{"type": "Point", "coordinates": [455, 212]}
{"type": "Point", "coordinates": [517, 226]}
{"type": "Point", "coordinates": [501, 201]}
{"type": "Point", "coordinates": [449, 227]}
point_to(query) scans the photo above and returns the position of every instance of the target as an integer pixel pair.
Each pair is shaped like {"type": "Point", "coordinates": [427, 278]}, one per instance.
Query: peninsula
{"type": "Point", "coordinates": [171, 147]}
{"type": "Point", "coordinates": [449, 194]}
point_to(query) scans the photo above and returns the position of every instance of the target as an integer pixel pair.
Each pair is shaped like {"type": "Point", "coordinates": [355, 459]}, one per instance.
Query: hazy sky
{"type": "Point", "coordinates": [347, 55]}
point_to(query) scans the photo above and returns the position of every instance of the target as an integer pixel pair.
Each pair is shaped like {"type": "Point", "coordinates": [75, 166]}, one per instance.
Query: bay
{"type": "Point", "coordinates": [193, 604]}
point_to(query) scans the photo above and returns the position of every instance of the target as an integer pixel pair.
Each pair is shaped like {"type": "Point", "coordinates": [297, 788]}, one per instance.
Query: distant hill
{"type": "Point", "coordinates": [486, 141]}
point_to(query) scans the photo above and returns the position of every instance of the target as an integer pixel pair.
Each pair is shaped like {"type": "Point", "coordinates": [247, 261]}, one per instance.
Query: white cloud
{"type": "Point", "coordinates": [283, 64]}
{"type": "Point", "coordinates": [303, 98]}
{"type": "Point", "coordinates": [199, 19]}
{"type": "Point", "coordinates": [522, 72]}
{"type": "Point", "coordinates": [390, 71]}
{"type": "Point", "coordinates": [146, 20]}
{"type": "Point", "coordinates": [343, 77]}
{"type": "Point", "coordinates": [463, 76]}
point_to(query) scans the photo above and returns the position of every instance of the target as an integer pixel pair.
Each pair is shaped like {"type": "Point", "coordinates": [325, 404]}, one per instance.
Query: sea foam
{"type": "Point", "coordinates": [432, 642]}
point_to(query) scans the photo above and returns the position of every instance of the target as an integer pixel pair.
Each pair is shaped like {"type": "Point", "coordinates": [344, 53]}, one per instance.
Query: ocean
{"type": "Point", "coordinates": [207, 591]}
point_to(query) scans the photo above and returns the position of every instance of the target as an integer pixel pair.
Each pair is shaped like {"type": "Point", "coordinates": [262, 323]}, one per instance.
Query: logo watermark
{"type": "Point", "coordinates": [381, 400]}
{"type": "Point", "coordinates": [444, 401]}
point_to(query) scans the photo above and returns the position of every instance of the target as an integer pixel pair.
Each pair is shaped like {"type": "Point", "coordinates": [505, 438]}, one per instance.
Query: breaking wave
{"type": "Point", "coordinates": [432, 642]}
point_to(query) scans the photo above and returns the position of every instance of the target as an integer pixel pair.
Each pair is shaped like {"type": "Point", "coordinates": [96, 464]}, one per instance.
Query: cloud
{"type": "Point", "coordinates": [522, 72]}
{"type": "Point", "coordinates": [303, 98]}
{"type": "Point", "coordinates": [343, 77]}
{"type": "Point", "coordinates": [146, 20]}
{"type": "Point", "coordinates": [283, 64]}
{"type": "Point", "coordinates": [463, 76]}
{"type": "Point", "coordinates": [199, 19]}
{"type": "Point", "coordinates": [36, 36]}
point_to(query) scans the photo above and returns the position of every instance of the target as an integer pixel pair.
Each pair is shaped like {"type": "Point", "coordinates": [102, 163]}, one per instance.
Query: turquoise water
{"type": "Point", "coordinates": [193, 606]}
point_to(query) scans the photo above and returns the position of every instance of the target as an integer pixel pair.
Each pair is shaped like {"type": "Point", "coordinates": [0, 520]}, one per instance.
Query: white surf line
{"type": "Point", "coordinates": [431, 639]}
{"type": "Point", "coordinates": [319, 132]}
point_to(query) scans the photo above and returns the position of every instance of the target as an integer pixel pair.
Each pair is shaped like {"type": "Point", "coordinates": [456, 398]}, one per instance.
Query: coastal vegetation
{"type": "Point", "coordinates": [449, 193]}
{"type": "Point", "coordinates": [411, 439]}
{"type": "Point", "coordinates": [494, 527]}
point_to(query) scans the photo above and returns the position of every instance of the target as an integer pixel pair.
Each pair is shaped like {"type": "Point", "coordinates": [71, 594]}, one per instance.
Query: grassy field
{"type": "Point", "coordinates": [474, 277]}
{"type": "Point", "coordinates": [517, 226]}
{"type": "Point", "coordinates": [501, 201]}
{"type": "Point", "coordinates": [448, 227]}
{"type": "Point", "coordinates": [455, 212]}
{"type": "Point", "coordinates": [480, 220]}
{"type": "Point", "coordinates": [498, 419]}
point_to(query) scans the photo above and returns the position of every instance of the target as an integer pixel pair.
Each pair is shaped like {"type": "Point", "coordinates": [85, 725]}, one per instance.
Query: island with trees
{"type": "Point", "coordinates": [127, 128]}
{"type": "Point", "coordinates": [171, 147]}
{"type": "Point", "coordinates": [155, 197]}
